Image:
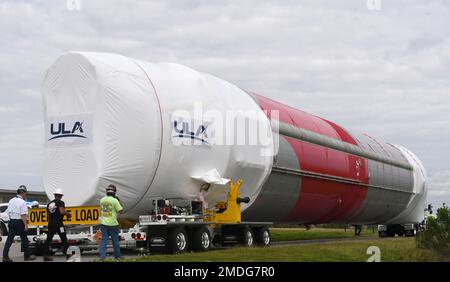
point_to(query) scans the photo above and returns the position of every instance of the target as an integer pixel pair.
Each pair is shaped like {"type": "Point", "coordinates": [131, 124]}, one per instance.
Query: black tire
{"type": "Point", "coordinates": [177, 241]}
{"type": "Point", "coordinates": [38, 249]}
{"type": "Point", "coordinates": [246, 237]}
{"type": "Point", "coordinates": [410, 233]}
{"type": "Point", "coordinates": [390, 231]}
{"type": "Point", "coordinates": [217, 240]}
{"type": "Point", "coordinates": [201, 239]}
{"type": "Point", "coordinates": [3, 229]}
{"type": "Point", "coordinates": [262, 236]}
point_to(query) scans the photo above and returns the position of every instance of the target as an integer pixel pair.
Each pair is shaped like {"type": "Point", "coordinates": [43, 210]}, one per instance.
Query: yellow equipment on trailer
{"type": "Point", "coordinates": [231, 208]}
{"type": "Point", "coordinates": [199, 228]}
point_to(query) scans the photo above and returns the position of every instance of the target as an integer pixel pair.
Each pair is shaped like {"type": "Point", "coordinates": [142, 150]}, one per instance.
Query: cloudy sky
{"type": "Point", "coordinates": [380, 69]}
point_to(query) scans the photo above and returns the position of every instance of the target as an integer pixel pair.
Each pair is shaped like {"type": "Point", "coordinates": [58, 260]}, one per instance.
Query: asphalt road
{"type": "Point", "coordinates": [315, 241]}
{"type": "Point", "coordinates": [90, 256]}
{"type": "Point", "coordinates": [17, 256]}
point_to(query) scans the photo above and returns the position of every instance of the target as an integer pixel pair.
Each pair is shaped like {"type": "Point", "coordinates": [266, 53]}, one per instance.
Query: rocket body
{"type": "Point", "coordinates": [165, 130]}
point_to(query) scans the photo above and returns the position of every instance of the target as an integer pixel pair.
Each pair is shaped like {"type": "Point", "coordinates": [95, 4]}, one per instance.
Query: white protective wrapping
{"type": "Point", "coordinates": [125, 109]}
{"type": "Point", "coordinates": [414, 211]}
{"type": "Point", "coordinates": [117, 104]}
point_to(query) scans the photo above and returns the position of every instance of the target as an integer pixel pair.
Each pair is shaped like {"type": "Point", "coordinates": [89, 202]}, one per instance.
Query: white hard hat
{"type": "Point", "coordinates": [58, 192]}
{"type": "Point", "coordinates": [35, 203]}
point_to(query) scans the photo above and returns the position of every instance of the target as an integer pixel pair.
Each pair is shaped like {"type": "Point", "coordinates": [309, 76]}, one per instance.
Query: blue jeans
{"type": "Point", "coordinates": [113, 232]}
{"type": "Point", "coordinates": [16, 227]}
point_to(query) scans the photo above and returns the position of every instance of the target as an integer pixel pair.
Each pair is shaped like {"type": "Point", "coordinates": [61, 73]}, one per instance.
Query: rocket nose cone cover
{"type": "Point", "coordinates": [103, 125]}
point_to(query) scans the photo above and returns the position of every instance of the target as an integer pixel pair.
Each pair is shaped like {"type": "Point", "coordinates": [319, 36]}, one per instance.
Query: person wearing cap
{"type": "Point", "coordinates": [109, 208]}
{"type": "Point", "coordinates": [56, 210]}
{"type": "Point", "coordinates": [34, 231]}
{"type": "Point", "coordinates": [18, 224]}
{"type": "Point", "coordinates": [35, 205]}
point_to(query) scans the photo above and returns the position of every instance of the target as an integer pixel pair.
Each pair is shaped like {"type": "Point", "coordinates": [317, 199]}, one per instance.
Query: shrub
{"type": "Point", "coordinates": [436, 235]}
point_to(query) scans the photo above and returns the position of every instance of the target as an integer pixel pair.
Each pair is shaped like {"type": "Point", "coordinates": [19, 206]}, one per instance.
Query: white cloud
{"type": "Point", "coordinates": [439, 188]}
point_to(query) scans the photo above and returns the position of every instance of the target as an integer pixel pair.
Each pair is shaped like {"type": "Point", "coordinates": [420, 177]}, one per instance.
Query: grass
{"type": "Point", "coordinates": [292, 234]}
{"type": "Point", "coordinates": [392, 250]}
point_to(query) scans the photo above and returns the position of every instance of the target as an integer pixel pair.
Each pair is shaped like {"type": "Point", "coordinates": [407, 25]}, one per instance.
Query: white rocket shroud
{"type": "Point", "coordinates": [165, 130]}
{"type": "Point", "coordinates": [110, 119]}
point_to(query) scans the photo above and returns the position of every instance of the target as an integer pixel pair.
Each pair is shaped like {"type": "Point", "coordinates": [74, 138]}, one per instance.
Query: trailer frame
{"type": "Point", "coordinates": [198, 229]}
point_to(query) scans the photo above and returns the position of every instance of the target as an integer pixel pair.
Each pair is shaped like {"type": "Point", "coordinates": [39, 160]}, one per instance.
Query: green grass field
{"type": "Point", "coordinates": [392, 250]}
{"type": "Point", "coordinates": [292, 234]}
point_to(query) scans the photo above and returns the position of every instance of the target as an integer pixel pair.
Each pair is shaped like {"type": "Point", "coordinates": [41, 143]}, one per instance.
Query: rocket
{"type": "Point", "coordinates": [162, 130]}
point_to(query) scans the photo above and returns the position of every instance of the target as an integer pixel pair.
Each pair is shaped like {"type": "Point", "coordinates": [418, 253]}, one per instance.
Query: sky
{"type": "Point", "coordinates": [380, 67]}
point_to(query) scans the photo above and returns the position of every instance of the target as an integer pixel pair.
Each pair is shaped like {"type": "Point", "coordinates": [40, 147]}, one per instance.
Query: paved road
{"type": "Point", "coordinates": [17, 256]}
{"type": "Point", "coordinates": [315, 241]}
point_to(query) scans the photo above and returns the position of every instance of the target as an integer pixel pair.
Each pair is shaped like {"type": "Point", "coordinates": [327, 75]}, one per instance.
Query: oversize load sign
{"type": "Point", "coordinates": [80, 216]}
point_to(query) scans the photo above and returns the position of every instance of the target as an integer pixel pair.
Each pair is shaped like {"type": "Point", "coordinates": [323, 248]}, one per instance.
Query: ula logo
{"type": "Point", "coordinates": [183, 130]}
{"type": "Point", "coordinates": [60, 130]}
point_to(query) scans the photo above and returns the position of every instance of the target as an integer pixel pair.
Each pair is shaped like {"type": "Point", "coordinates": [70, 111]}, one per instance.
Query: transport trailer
{"type": "Point", "coordinates": [408, 230]}
{"type": "Point", "coordinates": [37, 235]}
{"type": "Point", "coordinates": [299, 169]}
{"type": "Point", "coordinates": [85, 241]}
{"type": "Point", "coordinates": [82, 230]}
{"type": "Point", "coordinates": [179, 225]}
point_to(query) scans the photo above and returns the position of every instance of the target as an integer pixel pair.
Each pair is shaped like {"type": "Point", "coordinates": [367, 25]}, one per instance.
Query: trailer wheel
{"type": "Point", "coordinates": [262, 236]}
{"type": "Point", "coordinates": [382, 234]}
{"type": "Point", "coordinates": [38, 249]}
{"type": "Point", "coordinates": [201, 239]}
{"type": "Point", "coordinates": [246, 237]}
{"type": "Point", "coordinates": [217, 240]}
{"type": "Point", "coordinates": [410, 233]}
{"type": "Point", "coordinates": [178, 240]}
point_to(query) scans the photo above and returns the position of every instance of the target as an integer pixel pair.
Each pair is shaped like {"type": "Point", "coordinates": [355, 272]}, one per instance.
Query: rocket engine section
{"type": "Point", "coordinates": [165, 130]}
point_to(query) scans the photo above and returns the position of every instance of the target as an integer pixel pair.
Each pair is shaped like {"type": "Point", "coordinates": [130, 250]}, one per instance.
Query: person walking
{"type": "Point", "coordinates": [358, 229]}
{"type": "Point", "coordinates": [56, 210]}
{"type": "Point", "coordinates": [18, 224]}
{"type": "Point", "coordinates": [110, 207]}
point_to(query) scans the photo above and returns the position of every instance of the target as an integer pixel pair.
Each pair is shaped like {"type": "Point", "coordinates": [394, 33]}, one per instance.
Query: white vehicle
{"type": "Point", "coordinates": [87, 239]}
{"type": "Point", "coordinates": [4, 218]}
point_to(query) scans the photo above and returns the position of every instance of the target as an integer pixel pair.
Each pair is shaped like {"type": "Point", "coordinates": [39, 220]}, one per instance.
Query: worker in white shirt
{"type": "Point", "coordinates": [18, 225]}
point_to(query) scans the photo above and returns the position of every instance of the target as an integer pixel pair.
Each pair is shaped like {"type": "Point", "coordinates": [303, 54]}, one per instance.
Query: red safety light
{"type": "Point", "coordinates": [158, 217]}
{"type": "Point", "coordinates": [133, 235]}
{"type": "Point", "coordinates": [71, 241]}
{"type": "Point", "coordinates": [165, 217]}
{"type": "Point", "coordinates": [138, 236]}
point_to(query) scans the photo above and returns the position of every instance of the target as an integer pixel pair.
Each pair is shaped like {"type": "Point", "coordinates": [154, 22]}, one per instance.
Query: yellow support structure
{"type": "Point", "coordinates": [232, 212]}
